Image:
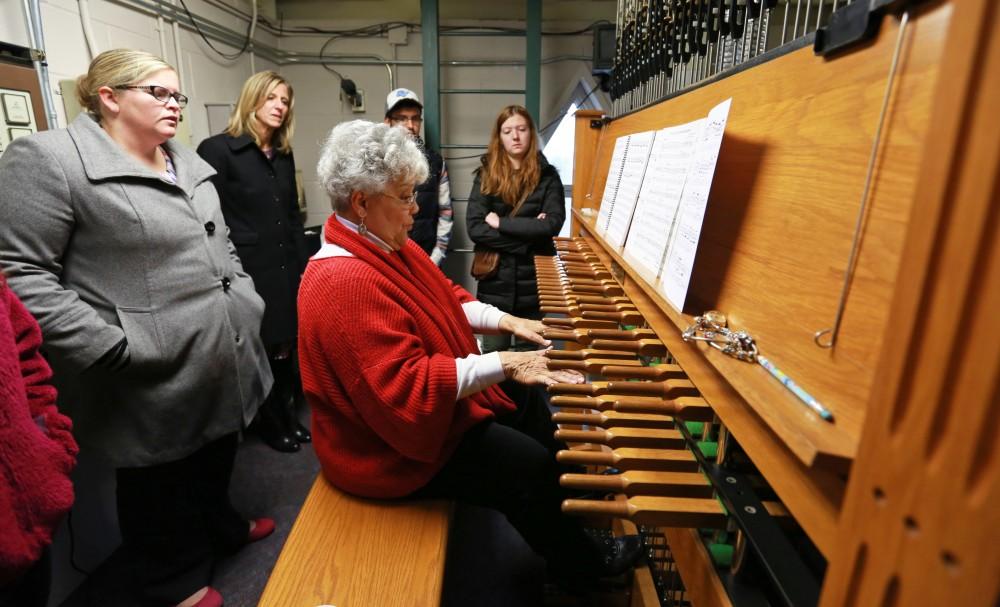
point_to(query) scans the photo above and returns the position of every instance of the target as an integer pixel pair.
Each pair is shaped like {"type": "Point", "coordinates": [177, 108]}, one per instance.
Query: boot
{"type": "Point", "coordinates": [300, 432]}
{"type": "Point", "coordinates": [272, 426]}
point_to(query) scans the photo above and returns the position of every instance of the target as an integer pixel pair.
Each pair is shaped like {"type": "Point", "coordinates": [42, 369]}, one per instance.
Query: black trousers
{"type": "Point", "coordinates": [32, 588]}
{"type": "Point", "coordinates": [508, 465]}
{"type": "Point", "coordinates": [176, 519]}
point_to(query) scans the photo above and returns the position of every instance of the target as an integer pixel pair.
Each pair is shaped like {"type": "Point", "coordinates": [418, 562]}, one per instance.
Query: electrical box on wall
{"type": "Point", "coordinates": [17, 114]}
{"type": "Point", "coordinates": [21, 108]}
{"type": "Point", "coordinates": [358, 103]}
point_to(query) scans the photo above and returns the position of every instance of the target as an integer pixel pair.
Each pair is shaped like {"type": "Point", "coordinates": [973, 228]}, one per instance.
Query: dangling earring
{"type": "Point", "coordinates": [362, 228]}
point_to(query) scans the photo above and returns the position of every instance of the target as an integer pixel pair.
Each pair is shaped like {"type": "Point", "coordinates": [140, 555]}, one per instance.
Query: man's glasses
{"type": "Point", "coordinates": [408, 202]}
{"type": "Point", "coordinates": [416, 120]}
{"type": "Point", "coordinates": [158, 92]}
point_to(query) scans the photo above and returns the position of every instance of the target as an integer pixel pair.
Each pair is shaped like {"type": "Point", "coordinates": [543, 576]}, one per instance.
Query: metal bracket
{"type": "Point", "coordinates": [855, 23]}
{"type": "Point", "coordinates": [20, 55]}
{"type": "Point", "coordinates": [791, 579]}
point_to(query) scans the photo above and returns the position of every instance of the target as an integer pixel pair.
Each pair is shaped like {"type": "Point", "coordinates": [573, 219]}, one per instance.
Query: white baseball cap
{"type": "Point", "coordinates": [398, 95]}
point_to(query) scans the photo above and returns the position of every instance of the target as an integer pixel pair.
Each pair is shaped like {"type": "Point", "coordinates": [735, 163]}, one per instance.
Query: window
{"type": "Point", "coordinates": [558, 138]}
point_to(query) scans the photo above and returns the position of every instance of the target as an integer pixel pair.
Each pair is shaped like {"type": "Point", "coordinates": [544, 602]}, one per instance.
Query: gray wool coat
{"type": "Point", "coordinates": [99, 247]}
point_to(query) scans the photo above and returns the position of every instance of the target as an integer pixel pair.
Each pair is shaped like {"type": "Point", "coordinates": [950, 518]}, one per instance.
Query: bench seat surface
{"type": "Point", "coordinates": [351, 552]}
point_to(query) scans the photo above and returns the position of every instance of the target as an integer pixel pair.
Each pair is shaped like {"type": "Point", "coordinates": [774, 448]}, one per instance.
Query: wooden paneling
{"type": "Point", "coordinates": [587, 141]}
{"type": "Point", "coordinates": [921, 515]}
{"type": "Point", "coordinates": [21, 78]}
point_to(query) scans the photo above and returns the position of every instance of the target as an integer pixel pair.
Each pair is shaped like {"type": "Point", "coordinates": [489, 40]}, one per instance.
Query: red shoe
{"type": "Point", "coordinates": [262, 528]}
{"type": "Point", "coordinates": [212, 598]}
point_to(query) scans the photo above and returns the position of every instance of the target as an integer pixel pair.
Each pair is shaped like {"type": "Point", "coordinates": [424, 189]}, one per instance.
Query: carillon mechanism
{"type": "Point", "coordinates": [651, 445]}
{"type": "Point", "coordinates": [666, 47]}
{"type": "Point", "coordinates": [778, 163]}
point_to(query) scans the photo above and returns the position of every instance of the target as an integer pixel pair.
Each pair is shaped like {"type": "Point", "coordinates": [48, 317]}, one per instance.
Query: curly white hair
{"type": "Point", "coordinates": [362, 156]}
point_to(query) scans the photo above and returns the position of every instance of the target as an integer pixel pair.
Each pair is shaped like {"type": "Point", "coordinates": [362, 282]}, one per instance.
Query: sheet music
{"type": "Point", "coordinates": [683, 243]}
{"type": "Point", "coordinates": [611, 185]}
{"type": "Point", "coordinates": [656, 208]}
{"type": "Point", "coordinates": [633, 170]}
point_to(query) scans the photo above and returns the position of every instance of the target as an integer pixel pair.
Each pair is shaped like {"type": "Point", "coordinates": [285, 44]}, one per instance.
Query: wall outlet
{"type": "Point", "coordinates": [358, 103]}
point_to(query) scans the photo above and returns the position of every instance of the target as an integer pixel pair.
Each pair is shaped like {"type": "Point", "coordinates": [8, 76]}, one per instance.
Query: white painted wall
{"type": "Point", "coordinates": [465, 118]}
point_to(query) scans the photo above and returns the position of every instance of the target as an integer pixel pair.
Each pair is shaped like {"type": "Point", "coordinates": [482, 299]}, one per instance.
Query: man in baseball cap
{"type": "Point", "coordinates": [432, 223]}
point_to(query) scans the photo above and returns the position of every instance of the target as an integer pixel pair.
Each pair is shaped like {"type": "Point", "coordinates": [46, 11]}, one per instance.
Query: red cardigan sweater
{"type": "Point", "coordinates": [378, 337]}
{"type": "Point", "coordinates": [37, 451]}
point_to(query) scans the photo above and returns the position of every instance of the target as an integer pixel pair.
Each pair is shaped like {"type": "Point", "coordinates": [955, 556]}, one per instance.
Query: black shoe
{"type": "Point", "coordinates": [620, 554]}
{"type": "Point", "coordinates": [271, 427]}
{"type": "Point", "coordinates": [301, 433]}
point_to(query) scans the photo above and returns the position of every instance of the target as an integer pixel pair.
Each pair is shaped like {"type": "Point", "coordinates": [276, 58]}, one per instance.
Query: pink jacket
{"type": "Point", "coordinates": [37, 450]}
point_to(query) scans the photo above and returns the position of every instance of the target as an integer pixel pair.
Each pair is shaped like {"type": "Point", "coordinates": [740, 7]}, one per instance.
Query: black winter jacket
{"type": "Point", "coordinates": [425, 222]}
{"type": "Point", "coordinates": [513, 289]}
{"type": "Point", "coordinates": [260, 204]}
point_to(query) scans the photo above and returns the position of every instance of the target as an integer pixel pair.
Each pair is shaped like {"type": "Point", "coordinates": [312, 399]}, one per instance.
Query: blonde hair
{"type": "Point", "coordinates": [243, 120]}
{"type": "Point", "coordinates": [115, 68]}
{"type": "Point", "coordinates": [497, 175]}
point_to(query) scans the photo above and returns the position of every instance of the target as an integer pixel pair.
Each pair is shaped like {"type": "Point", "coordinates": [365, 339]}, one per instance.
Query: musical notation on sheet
{"type": "Point", "coordinates": [656, 208]}
{"type": "Point", "coordinates": [682, 245]}
{"type": "Point", "coordinates": [611, 185]}
{"type": "Point", "coordinates": [633, 172]}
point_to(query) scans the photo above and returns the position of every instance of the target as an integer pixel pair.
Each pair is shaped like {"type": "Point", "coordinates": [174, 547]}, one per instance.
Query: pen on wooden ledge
{"type": "Point", "coordinates": [804, 396]}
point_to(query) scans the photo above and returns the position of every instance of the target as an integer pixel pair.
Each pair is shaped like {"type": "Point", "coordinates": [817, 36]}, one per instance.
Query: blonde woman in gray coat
{"type": "Point", "coordinates": [114, 239]}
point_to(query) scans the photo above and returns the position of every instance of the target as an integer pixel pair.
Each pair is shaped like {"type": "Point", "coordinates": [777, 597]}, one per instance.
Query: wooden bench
{"type": "Point", "coordinates": [351, 552]}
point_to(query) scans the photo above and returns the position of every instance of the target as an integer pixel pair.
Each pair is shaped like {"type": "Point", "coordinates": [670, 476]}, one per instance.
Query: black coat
{"type": "Point", "coordinates": [514, 289]}
{"type": "Point", "coordinates": [260, 204]}
{"type": "Point", "coordinates": [425, 222]}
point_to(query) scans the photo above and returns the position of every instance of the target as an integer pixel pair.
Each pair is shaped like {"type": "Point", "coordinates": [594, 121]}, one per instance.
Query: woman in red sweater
{"type": "Point", "coordinates": [403, 402]}
{"type": "Point", "coordinates": [37, 453]}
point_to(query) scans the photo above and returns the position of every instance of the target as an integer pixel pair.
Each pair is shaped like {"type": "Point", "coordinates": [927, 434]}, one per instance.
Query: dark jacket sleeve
{"type": "Point", "coordinates": [481, 233]}
{"type": "Point", "coordinates": [554, 207]}
{"type": "Point", "coordinates": [215, 152]}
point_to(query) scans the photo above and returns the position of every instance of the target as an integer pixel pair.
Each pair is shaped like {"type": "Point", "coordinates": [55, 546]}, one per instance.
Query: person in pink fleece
{"type": "Point", "coordinates": [37, 453]}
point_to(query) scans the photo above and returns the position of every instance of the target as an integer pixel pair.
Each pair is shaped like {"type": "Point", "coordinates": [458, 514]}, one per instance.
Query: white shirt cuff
{"type": "Point", "coordinates": [476, 372]}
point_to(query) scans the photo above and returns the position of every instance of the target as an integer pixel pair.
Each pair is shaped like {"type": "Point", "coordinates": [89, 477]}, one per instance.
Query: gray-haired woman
{"type": "Point", "coordinates": [114, 239]}
{"type": "Point", "coordinates": [403, 402]}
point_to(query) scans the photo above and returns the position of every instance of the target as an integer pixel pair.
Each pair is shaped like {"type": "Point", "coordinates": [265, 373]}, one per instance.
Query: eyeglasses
{"type": "Point", "coordinates": [158, 92]}
{"type": "Point", "coordinates": [416, 120]}
{"type": "Point", "coordinates": [409, 202]}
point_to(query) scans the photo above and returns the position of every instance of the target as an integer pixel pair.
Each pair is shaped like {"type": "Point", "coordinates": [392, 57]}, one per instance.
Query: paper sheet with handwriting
{"type": "Point", "coordinates": [683, 242]}
{"type": "Point", "coordinates": [656, 208]}
{"type": "Point", "coordinates": [633, 171]}
{"type": "Point", "coordinates": [611, 185]}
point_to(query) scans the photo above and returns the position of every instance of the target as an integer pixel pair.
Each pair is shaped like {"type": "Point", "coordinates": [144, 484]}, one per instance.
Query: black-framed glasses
{"type": "Point", "coordinates": [160, 93]}
{"type": "Point", "coordinates": [417, 120]}
{"type": "Point", "coordinates": [408, 202]}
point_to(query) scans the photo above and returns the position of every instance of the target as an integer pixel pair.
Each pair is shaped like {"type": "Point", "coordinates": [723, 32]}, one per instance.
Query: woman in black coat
{"type": "Point", "coordinates": [513, 169]}
{"type": "Point", "coordinates": [256, 183]}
